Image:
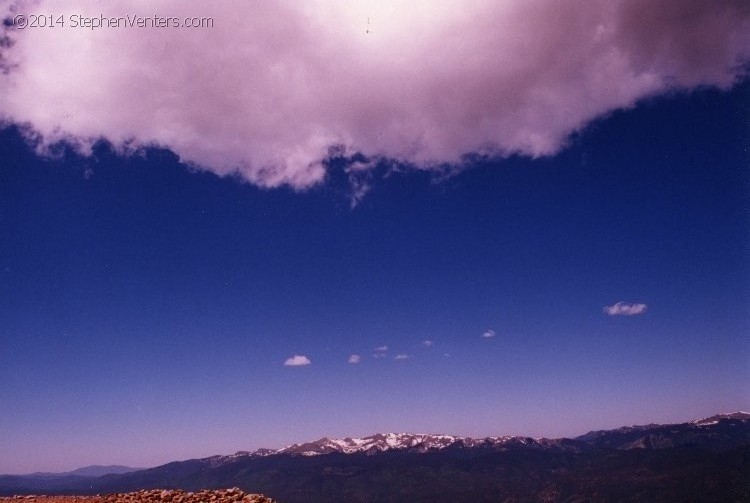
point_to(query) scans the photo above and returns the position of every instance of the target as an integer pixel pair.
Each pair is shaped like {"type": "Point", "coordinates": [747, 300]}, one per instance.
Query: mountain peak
{"type": "Point", "coordinates": [390, 441]}
{"type": "Point", "coordinates": [706, 421]}
{"type": "Point", "coordinates": [378, 442]}
{"type": "Point", "coordinates": [424, 442]}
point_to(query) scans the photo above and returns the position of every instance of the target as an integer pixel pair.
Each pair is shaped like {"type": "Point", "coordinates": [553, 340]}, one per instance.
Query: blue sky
{"type": "Point", "coordinates": [148, 309]}
{"type": "Point", "coordinates": [555, 199]}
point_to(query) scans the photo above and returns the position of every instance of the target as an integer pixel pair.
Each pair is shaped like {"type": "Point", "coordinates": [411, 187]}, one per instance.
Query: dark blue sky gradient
{"type": "Point", "coordinates": [146, 309]}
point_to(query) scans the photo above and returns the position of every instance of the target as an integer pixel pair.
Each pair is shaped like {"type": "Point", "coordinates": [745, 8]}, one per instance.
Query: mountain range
{"type": "Point", "coordinates": [702, 460]}
{"type": "Point", "coordinates": [86, 471]}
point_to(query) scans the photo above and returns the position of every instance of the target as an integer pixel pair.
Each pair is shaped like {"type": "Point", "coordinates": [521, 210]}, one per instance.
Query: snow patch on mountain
{"type": "Point", "coordinates": [382, 442]}
{"type": "Point", "coordinates": [708, 421]}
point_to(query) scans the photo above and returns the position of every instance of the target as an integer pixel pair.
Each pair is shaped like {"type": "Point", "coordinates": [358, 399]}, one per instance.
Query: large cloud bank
{"type": "Point", "coordinates": [274, 84]}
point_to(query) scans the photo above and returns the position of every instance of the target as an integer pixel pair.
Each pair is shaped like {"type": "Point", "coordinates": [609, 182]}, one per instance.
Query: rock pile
{"type": "Point", "coordinates": [233, 495]}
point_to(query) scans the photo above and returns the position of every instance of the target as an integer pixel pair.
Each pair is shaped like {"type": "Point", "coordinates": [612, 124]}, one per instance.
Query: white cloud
{"type": "Point", "coordinates": [381, 349]}
{"type": "Point", "coordinates": [489, 333]}
{"type": "Point", "coordinates": [273, 85]}
{"type": "Point", "coordinates": [625, 309]}
{"type": "Point", "coordinates": [401, 356]}
{"type": "Point", "coordinates": [427, 343]}
{"type": "Point", "coordinates": [297, 361]}
{"type": "Point", "coordinates": [354, 359]}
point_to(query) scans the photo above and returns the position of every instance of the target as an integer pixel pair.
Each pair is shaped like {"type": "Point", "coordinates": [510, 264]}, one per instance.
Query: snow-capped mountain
{"type": "Point", "coordinates": [382, 442]}
{"type": "Point", "coordinates": [422, 442]}
{"type": "Point", "coordinates": [374, 443]}
{"type": "Point", "coordinates": [708, 421]}
{"type": "Point", "coordinates": [628, 461]}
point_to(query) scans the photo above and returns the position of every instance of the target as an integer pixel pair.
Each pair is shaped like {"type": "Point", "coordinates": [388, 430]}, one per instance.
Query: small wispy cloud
{"type": "Point", "coordinates": [381, 349]}
{"type": "Point", "coordinates": [427, 343]}
{"type": "Point", "coordinates": [297, 361]}
{"type": "Point", "coordinates": [625, 309]}
{"type": "Point", "coordinates": [360, 181]}
{"type": "Point", "coordinates": [401, 356]}
{"type": "Point", "coordinates": [354, 359]}
{"type": "Point", "coordinates": [489, 333]}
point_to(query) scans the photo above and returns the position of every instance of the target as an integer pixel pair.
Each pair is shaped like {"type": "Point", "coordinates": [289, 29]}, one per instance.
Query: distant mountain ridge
{"type": "Point", "coordinates": [383, 442]}
{"type": "Point", "coordinates": [717, 433]}
{"type": "Point", "coordinates": [702, 460]}
{"type": "Point", "coordinates": [88, 471]}
{"type": "Point", "coordinates": [421, 442]}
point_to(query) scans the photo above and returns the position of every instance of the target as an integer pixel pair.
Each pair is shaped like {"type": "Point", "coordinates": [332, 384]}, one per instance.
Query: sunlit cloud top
{"type": "Point", "coordinates": [270, 87]}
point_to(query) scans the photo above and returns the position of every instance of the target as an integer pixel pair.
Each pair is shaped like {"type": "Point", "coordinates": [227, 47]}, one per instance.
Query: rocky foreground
{"type": "Point", "coordinates": [233, 495]}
